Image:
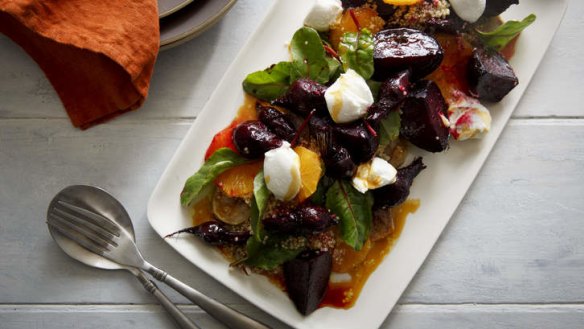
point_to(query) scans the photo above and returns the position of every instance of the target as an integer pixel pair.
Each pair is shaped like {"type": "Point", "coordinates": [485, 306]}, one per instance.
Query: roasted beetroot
{"type": "Point", "coordinates": [391, 93]}
{"type": "Point", "coordinates": [253, 138]}
{"type": "Point", "coordinates": [399, 49]}
{"type": "Point", "coordinates": [304, 219]}
{"type": "Point", "coordinates": [490, 77]}
{"type": "Point", "coordinates": [278, 122]}
{"type": "Point", "coordinates": [358, 140]}
{"type": "Point", "coordinates": [423, 117]}
{"type": "Point", "coordinates": [398, 192]}
{"type": "Point", "coordinates": [303, 96]}
{"type": "Point", "coordinates": [497, 7]}
{"type": "Point", "coordinates": [216, 233]}
{"type": "Point", "coordinates": [307, 278]}
{"type": "Point", "coordinates": [338, 163]}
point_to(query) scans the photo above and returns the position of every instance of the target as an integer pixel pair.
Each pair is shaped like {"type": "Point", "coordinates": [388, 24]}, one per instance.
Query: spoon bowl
{"type": "Point", "coordinates": [99, 201]}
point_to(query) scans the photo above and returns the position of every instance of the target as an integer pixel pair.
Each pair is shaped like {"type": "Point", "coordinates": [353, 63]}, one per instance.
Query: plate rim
{"type": "Point", "coordinates": [194, 32]}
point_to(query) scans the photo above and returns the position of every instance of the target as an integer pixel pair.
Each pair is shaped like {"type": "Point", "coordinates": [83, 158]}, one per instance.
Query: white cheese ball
{"type": "Point", "coordinates": [374, 174]}
{"type": "Point", "coordinates": [469, 10]}
{"type": "Point", "coordinates": [323, 14]}
{"type": "Point", "coordinates": [348, 98]}
{"type": "Point", "coordinates": [468, 119]}
{"type": "Point", "coordinates": [282, 172]}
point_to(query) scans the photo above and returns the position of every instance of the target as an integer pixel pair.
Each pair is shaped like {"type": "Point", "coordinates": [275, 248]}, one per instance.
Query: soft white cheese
{"type": "Point", "coordinates": [374, 174]}
{"type": "Point", "coordinates": [469, 10]}
{"type": "Point", "coordinates": [348, 98]}
{"type": "Point", "coordinates": [323, 14]}
{"type": "Point", "coordinates": [468, 119]}
{"type": "Point", "coordinates": [282, 172]}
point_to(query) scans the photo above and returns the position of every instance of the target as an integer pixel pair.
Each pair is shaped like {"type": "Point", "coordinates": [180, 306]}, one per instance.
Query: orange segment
{"type": "Point", "coordinates": [310, 171]}
{"type": "Point", "coordinates": [402, 2]}
{"type": "Point", "coordinates": [367, 18]}
{"type": "Point", "coordinates": [237, 182]}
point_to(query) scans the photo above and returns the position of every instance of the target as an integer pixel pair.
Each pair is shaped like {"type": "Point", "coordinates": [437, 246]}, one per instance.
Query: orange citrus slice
{"type": "Point", "coordinates": [237, 182]}
{"type": "Point", "coordinates": [310, 171]}
{"type": "Point", "coordinates": [402, 2]}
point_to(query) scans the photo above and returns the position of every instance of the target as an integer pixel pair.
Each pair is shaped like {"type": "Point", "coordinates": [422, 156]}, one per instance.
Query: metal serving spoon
{"type": "Point", "coordinates": [90, 217]}
{"type": "Point", "coordinates": [75, 251]}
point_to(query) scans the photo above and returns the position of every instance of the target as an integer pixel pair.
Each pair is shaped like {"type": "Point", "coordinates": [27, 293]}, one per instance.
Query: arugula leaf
{"type": "Point", "coordinates": [502, 35]}
{"type": "Point", "coordinates": [308, 56]}
{"type": "Point", "coordinates": [389, 128]}
{"type": "Point", "coordinates": [354, 210]}
{"type": "Point", "coordinates": [270, 83]}
{"type": "Point", "coordinates": [258, 205]}
{"type": "Point", "coordinates": [268, 255]}
{"type": "Point", "coordinates": [356, 51]}
{"type": "Point", "coordinates": [223, 159]}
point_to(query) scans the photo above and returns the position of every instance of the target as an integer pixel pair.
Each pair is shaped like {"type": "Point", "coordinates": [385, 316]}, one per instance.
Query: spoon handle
{"type": "Point", "coordinates": [181, 319]}
{"type": "Point", "coordinates": [228, 316]}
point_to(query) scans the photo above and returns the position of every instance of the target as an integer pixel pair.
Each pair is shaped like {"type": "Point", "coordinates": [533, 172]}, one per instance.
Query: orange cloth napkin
{"type": "Point", "coordinates": [98, 55]}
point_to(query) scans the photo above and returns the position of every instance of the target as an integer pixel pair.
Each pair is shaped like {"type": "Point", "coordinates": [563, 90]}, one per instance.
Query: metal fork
{"type": "Point", "coordinates": [104, 237]}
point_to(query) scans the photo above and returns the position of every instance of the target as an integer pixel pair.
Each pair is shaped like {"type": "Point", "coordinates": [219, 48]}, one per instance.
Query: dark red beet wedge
{"type": "Point", "coordinates": [303, 96]}
{"type": "Point", "coordinates": [399, 49]}
{"type": "Point", "coordinates": [338, 163]}
{"type": "Point", "coordinates": [215, 233]}
{"type": "Point", "coordinates": [304, 219]}
{"type": "Point", "coordinates": [490, 76]}
{"type": "Point", "coordinates": [307, 279]}
{"type": "Point", "coordinates": [391, 93]}
{"type": "Point", "coordinates": [398, 192]}
{"type": "Point", "coordinates": [253, 138]}
{"type": "Point", "coordinates": [357, 139]}
{"type": "Point", "coordinates": [422, 117]}
{"type": "Point", "coordinates": [278, 122]}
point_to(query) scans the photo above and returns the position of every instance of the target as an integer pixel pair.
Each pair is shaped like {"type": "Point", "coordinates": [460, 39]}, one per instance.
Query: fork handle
{"type": "Point", "coordinates": [226, 315]}
{"type": "Point", "coordinates": [181, 319]}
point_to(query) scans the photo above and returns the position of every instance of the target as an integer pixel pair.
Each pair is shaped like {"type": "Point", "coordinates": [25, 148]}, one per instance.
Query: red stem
{"type": "Point", "coordinates": [371, 130]}
{"type": "Point", "coordinates": [355, 20]}
{"type": "Point", "coordinates": [302, 127]}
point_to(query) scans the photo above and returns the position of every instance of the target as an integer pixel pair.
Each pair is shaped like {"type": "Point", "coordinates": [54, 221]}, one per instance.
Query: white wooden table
{"type": "Point", "coordinates": [512, 256]}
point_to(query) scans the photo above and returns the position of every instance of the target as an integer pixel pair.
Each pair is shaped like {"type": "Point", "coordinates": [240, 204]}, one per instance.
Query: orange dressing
{"type": "Point", "coordinates": [344, 294]}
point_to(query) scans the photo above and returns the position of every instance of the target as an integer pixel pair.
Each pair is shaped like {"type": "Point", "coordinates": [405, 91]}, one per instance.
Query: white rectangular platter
{"type": "Point", "coordinates": [440, 188]}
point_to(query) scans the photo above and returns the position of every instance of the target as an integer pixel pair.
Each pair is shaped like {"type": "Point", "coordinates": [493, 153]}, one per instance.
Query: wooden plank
{"type": "Point", "coordinates": [516, 238]}
{"type": "Point", "coordinates": [403, 317]}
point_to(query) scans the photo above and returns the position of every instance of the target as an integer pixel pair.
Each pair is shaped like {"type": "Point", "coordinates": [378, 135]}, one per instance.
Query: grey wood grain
{"type": "Point", "coordinates": [516, 237]}
{"type": "Point", "coordinates": [403, 317]}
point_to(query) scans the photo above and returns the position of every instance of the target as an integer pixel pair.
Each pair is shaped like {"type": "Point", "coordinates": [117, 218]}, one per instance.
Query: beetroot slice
{"type": "Point", "coordinates": [399, 49]}
{"type": "Point", "coordinates": [490, 76]}
{"type": "Point", "coordinates": [398, 192]}
{"type": "Point", "coordinates": [307, 279]}
{"type": "Point", "coordinates": [422, 118]}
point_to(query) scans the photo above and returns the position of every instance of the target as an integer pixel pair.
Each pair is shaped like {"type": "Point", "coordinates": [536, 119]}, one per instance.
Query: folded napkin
{"type": "Point", "coordinates": [98, 55]}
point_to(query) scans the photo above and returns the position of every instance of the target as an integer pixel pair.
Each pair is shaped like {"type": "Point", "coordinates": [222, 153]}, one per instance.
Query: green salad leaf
{"type": "Point", "coordinates": [268, 255]}
{"type": "Point", "coordinates": [259, 203]}
{"type": "Point", "coordinates": [356, 51]}
{"type": "Point", "coordinates": [389, 128]}
{"type": "Point", "coordinates": [270, 83]}
{"type": "Point", "coordinates": [502, 35]}
{"type": "Point", "coordinates": [223, 159]}
{"type": "Point", "coordinates": [354, 211]}
{"type": "Point", "coordinates": [308, 56]}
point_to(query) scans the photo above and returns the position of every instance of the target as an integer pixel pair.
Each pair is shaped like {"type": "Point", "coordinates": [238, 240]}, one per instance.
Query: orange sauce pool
{"type": "Point", "coordinates": [345, 294]}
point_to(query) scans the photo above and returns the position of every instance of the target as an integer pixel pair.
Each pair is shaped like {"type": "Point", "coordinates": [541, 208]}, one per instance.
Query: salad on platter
{"type": "Point", "coordinates": [309, 184]}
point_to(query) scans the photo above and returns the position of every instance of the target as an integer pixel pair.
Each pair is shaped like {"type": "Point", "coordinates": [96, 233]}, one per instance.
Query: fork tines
{"type": "Point", "coordinates": [92, 231]}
